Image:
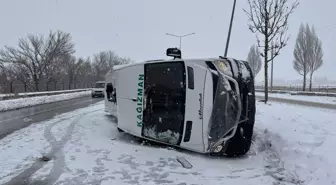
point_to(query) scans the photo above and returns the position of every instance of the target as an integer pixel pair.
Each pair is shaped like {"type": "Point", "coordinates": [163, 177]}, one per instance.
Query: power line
{"type": "Point", "coordinates": [326, 28]}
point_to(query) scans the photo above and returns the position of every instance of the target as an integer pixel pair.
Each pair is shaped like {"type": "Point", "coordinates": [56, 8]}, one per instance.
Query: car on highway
{"type": "Point", "coordinates": [98, 89]}
{"type": "Point", "coordinates": [202, 105]}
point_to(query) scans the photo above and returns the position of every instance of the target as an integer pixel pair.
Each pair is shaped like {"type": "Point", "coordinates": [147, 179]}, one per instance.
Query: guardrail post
{"type": "Point", "coordinates": [11, 87]}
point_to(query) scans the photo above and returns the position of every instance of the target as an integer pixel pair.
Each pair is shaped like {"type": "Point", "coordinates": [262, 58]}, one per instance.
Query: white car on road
{"type": "Point", "coordinates": [98, 89]}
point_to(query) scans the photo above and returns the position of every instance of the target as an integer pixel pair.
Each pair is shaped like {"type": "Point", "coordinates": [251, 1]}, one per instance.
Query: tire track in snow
{"type": "Point", "coordinates": [264, 142]}
{"type": "Point", "coordinates": [56, 154]}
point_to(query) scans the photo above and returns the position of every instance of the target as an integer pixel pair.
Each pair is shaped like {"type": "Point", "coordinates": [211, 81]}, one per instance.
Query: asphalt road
{"type": "Point", "coordinates": [17, 119]}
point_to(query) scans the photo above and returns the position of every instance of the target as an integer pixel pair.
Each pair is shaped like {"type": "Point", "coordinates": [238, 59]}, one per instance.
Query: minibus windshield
{"type": "Point", "coordinates": [225, 110]}
{"type": "Point", "coordinates": [164, 97]}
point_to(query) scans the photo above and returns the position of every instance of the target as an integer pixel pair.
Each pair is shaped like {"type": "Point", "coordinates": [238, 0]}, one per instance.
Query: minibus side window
{"type": "Point", "coordinates": [109, 90]}
{"type": "Point", "coordinates": [190, 78]}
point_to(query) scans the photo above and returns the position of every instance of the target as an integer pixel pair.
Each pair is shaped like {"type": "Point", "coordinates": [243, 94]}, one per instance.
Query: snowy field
{"type": "Point", "coordinates": [6, 105]}
{"type": "Point", "coordinates": [292, 145]}
{"type": "Point", "coordinates": [318, 99]}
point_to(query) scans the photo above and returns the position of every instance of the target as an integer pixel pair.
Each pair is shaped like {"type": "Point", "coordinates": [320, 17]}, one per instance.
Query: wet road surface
{"type": "Point", "coordinates": [17, 119]}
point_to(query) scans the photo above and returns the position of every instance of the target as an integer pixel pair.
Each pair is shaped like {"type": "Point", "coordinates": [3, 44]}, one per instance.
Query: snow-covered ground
{"type": "Point", "coordinates": [292, 145]}
{"type": "Point", "coordinates": [319, 99]}
{"type": "Point", "coordinates": [12, 104]}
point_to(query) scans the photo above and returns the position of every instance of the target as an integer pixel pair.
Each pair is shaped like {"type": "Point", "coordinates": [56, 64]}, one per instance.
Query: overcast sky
{"type": "Point", "coordinates": [136, 28]}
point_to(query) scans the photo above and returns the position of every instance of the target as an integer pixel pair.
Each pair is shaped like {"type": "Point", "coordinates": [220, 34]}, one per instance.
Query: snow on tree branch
{"type": "Point", "coordinates": [254, 60]}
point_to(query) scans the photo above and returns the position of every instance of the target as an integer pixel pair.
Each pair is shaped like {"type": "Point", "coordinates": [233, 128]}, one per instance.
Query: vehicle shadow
{"type": "Point", "coordinates": [125, 137]}
{"type": "Point", "coordinates": [112, 118]}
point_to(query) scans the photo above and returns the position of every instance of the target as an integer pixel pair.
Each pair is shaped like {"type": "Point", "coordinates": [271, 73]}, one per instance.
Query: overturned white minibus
{"type": "Point", "coordinates": [203, 105]}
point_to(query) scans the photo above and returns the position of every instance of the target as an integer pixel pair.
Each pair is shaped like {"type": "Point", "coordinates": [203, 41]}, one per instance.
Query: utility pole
{"type": "Point", "coordinates": [272, 68]}
{"type": "Point", "coordinates": [230, 28]}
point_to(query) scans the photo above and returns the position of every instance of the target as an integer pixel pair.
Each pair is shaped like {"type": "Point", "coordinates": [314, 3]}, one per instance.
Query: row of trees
{"type": "Point", "coordinates": [308, 55]}
{"type": "Point", "coordinates": [40, 60]}
{"type": "Point", "coordinates": [268, 20]}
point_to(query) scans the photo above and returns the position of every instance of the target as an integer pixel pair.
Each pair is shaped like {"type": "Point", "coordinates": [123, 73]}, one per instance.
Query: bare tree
{"type": "Point", "coordinates": [72, 66]}
{"type": "Point", "coordinates": [20, 73]}
{"type": "Point", "coordinates": [124, 60]}
{"type": "Point", "coordinates": [316, 55]}
{"type": "Point", "coordinates": [112, 59]}
{"type": "Point", "coordinates": [2, 67]}
{"type": "Point", "coordinates": [269, 18]}
{"type": "Point", "coordinates": [5, 78]}
{"type": "Point", "coordinates": [308, 54]}
{"type": "Point", "coordinates": [254, 60]}
{"type": "Point", "coordinates": [100, 65]}
{"type": "Point", "coordinates": [301, 51]}
{"type": "Point", "coordinates": [85, 72]}
{"type": "Point", "coordinates": [36, 54]}
{"type": "Point", "coordinates": [104, 61]}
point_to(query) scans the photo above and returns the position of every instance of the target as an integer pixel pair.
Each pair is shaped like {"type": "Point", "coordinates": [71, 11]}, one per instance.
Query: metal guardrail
{"type": "Point", "coordinates": [317, 88]}
{"type": "Point", "coordinates": [304, 93]}
{"type": "Point", "coordinates": [34, 94]}
{"type": "Point", "coordinates": [301, 102]}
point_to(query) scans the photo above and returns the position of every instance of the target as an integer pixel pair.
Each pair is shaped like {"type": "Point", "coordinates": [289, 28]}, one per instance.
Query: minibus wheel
{"type": "Point", "coordinates": [240, 143]}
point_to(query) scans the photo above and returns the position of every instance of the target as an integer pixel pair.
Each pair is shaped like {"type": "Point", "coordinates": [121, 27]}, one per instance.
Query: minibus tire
{"type": "Point", "coordinates": [240, 143]}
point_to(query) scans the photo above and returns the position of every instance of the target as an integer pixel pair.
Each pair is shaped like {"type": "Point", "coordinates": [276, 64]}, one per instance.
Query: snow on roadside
{"type": "Point", "coordinates": [303, 138]}
{"type": "Point", "coordinates": [318, 99]}
{"type": "Point", "coordinates": [292, 145]}
{"type": "Point", "coordinates": [97, 154]}
{"type": "Point", "coordinates": [21, 149]}
{"type": "Point", "coordinates": [6, 105]}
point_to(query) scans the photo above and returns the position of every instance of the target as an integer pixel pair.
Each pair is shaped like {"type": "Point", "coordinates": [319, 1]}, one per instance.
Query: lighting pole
{"type": "Point", "coordinates": [180, 37]}
{"type": "Point", "coordinates": [229, 34]}
{"type": "Point", "coordinates": [272, 66]}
